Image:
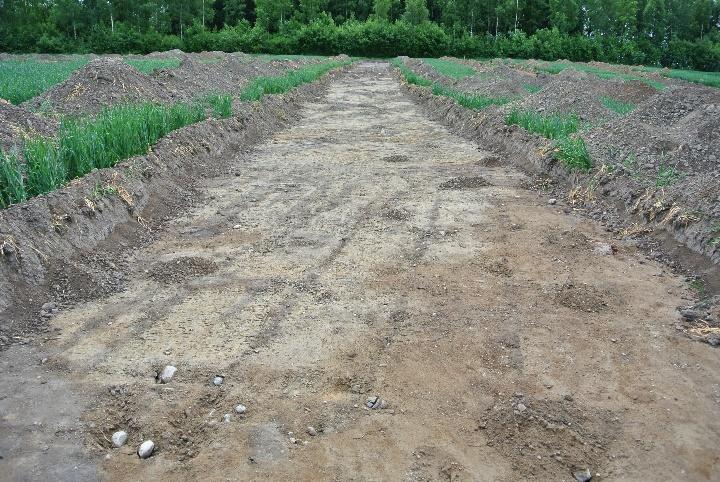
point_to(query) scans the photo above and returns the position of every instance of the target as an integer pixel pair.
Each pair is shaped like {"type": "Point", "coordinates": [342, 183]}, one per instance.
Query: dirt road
{"type": "Point", "coordinates": [364, 252]}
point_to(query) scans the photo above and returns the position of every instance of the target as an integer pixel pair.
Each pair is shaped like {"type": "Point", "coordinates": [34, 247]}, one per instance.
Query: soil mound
{"type": "Point", "coordinates": [17, 124]}
{"type": "Point", "coordinates": [500, 81]}
{"type": "Point", "coordinates": [679, 127]}
{"type": "Point", "coordinates": [101, 83]}
{"type": "Point", "coordinates": [211, 73]}
{"type": "Point", "coordinates": [576, 92]}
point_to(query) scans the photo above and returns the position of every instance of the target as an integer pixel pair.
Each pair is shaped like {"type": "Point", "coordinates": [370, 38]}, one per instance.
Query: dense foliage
{"type": "Point", "coordinates": [674, 33]}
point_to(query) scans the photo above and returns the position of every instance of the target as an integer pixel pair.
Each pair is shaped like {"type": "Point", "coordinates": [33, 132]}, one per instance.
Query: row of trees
{"type": "Point", "coordinates": [654, 28]}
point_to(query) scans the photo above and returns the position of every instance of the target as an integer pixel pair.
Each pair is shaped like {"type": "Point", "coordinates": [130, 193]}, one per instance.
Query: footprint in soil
{"type": "Point", "coordinates": [465, 182]}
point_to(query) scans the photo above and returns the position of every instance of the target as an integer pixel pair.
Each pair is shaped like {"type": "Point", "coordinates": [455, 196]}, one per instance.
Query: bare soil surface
{"type": "Point", "coordinates": [369, 252]}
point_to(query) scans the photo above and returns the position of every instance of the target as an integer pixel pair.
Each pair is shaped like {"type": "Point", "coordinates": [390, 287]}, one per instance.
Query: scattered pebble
{"type": "Point", "coordinates": [582, 475]}
{"type": "Point", "coordinates": [167, 374]}
{"type": "Point", "coordinates": [521, 407]}
{"type": "Point", "coordinates": [119, 438]}
{"type": "Point", "coordinates": [603, 249]}
{"type": "Point", "coordinates": [227, 418]}
{"type": "Point", "coordinates": [552, 201]}
{"type": "Point", "coordinates": [240, 408]}
{"type": "Point", "coordinates": [48, 309]}
{"type": "Point", "coordinates": [311, 431]}
{"type": "Point", "coordinates": [237, 226]}
{"type": "Point", "coordinates": [293, 440]}
{"type": "Point", "coordinates": [376, 403]}
{"type": "Point", "coordinates": [218, 380]}
{"type": "Point", "coordinates": [146, 449]}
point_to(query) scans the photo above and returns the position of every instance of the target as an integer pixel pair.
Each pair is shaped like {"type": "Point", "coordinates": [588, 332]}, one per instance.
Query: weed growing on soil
{"type": "Point", "coordinates": [449, 68]}
{"type": "Point", "coordinates": [410, 76]}
{"type": "Point", "coordinates": [531, 88]}
{"type": "Point", "coordinates": [553, 126]}
{"type": "Point", "coordinates": [666, 175]}
{"type": "Point", "coordinates": [573, 152]}
{"type": "Point", "coordinates": [148, 66]}
{"type": "Point", "coordinates": [23, 80]}
{"type": "Point", "coordinates": [12, 188]}
{"type": "Point", "coordinates": [277, 85]}
{"type": "Point", "coordinates": [617, 106]}
{"type": "Point", "coordinates": [221, 105]}
{"type": "Point", "coordinates": [470, 101]}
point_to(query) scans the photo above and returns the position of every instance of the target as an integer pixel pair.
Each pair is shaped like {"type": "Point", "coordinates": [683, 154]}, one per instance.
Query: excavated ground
{"type": "Point", "coordinates": [367, 251]}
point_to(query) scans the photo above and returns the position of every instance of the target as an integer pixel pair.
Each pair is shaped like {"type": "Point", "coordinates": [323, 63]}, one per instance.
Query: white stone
{"type": "Point", "coordinates": [146, 449]}
{"type": "Point", "coordinates": [218, 380]}
{"type": "Point", "coordinates": [167, 374]}
{"type": "Point", "coordinates": [119, 438]}
{"type": "Point", "coordinates": [240, 408]}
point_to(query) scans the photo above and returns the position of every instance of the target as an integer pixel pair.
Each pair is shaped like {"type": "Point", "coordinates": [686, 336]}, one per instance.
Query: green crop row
{"type": "Point", "coordinates": [23, 80]}
{"type": "Point", "coordinates": [449, 68]}
{"type": "Point", "coordinates": [282, 83]}
{"type": "Point", "coordinates": [568, 148]}
{"type": "Point", "coordinates": [115, 134]}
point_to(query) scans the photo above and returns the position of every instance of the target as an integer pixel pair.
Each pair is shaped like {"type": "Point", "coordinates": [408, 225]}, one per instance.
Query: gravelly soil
{"type": "Point", "coordinates": [505, 346]}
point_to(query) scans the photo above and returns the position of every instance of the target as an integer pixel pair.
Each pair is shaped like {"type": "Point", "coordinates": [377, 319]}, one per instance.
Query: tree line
{"type": "Point", "coordinates": [676, 33]}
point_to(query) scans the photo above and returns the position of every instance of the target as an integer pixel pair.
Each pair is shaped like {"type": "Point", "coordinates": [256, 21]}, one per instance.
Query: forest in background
{"type": "Point", "coordinates": [673, 33]}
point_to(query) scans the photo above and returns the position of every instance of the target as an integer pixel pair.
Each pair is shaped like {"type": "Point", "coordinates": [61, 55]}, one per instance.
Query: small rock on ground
{"type": "Point", "coordinates": [146, 449]}
{"type": "Point", "coordinates": [240, 408]}
{"type": "Point", "coordinates": [119, 438]}
{"type": "Point", "coordinates": [218, 380]}
{"type": "Point", "coordinates": [582, 475]}
{"type": "Point", "coordinates": [311, 431]}
{"type": "Point", "coordinates": [167, 374]}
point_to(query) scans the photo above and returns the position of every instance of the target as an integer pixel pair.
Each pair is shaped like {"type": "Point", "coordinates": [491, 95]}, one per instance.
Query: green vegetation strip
{"type": "Point", "coordinates": [23, 80]}
{"type": "Point", "coordinates": [711, 79]}
{"type": "Point", "coordinates": [471, 101]}
{"type": "Point", "coordinates": [262, 86]}
{"type": "Point", "coordinates": [82, 145]}
{"type": "Point", "coordinates": [449, 68]}
{"type": "Point", "coordinates": [568, 148]}
{"type": "Point", "coordinates": [557, 67]}
{"type": "Point", "coordinates": [553, 126]}
{"type": "Point", "coordinates": [617, 106]}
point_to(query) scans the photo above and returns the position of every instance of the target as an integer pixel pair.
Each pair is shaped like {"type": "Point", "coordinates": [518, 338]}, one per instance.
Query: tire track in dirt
{"type": "Point", "coordinates": [340, 275]}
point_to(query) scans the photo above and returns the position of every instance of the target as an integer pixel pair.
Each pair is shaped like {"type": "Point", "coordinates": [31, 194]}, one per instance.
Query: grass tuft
{"type": "Point", "coordinates": [262, 86]}
{"type": "Point", "coordinates": [617, 106]}
{"type": "Point", "coordinates": [573, 152]}
{"type": "Point", "coordinates": [666, 175]}
{"type": "Point", "coordinates": [12, 186]}
{"type": "Point", "coordinates": [471, 101]}
{"type": "Point", "coordinates": [410, 76]}
{"type": "Point", "coordinates": [553, 126]}
{"type": "Point", "coordinates": [449, 68]}
{"type": "Point", "coordinates": [532, 88]}
{"type": "Point", "coordinates": [221, 105]}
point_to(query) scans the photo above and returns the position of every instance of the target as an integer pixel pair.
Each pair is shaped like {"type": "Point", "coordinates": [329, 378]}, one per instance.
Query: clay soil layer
{"type": "Point", "coordinates": [365, 252]}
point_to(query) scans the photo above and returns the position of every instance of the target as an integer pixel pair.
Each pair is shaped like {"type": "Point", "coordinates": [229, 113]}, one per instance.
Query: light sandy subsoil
{"type": "Point", "coordinates": [367, 252]}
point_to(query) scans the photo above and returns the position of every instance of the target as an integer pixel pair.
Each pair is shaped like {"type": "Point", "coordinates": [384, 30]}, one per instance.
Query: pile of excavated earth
{"type": "Point", "coordinates": [361, 277]}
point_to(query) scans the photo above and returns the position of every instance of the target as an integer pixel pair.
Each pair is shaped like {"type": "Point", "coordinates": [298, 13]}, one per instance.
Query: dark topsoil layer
{"type": "Point", "coordinates": [658, 166]}
{"type": "Point", "coordinates": [71, 245]}
{"type": "Point", "coordinates": [17, 124]}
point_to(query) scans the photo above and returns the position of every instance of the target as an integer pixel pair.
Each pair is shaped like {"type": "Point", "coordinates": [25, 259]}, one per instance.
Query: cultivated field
{"type": "Point", "coordinates": [338, 269]}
